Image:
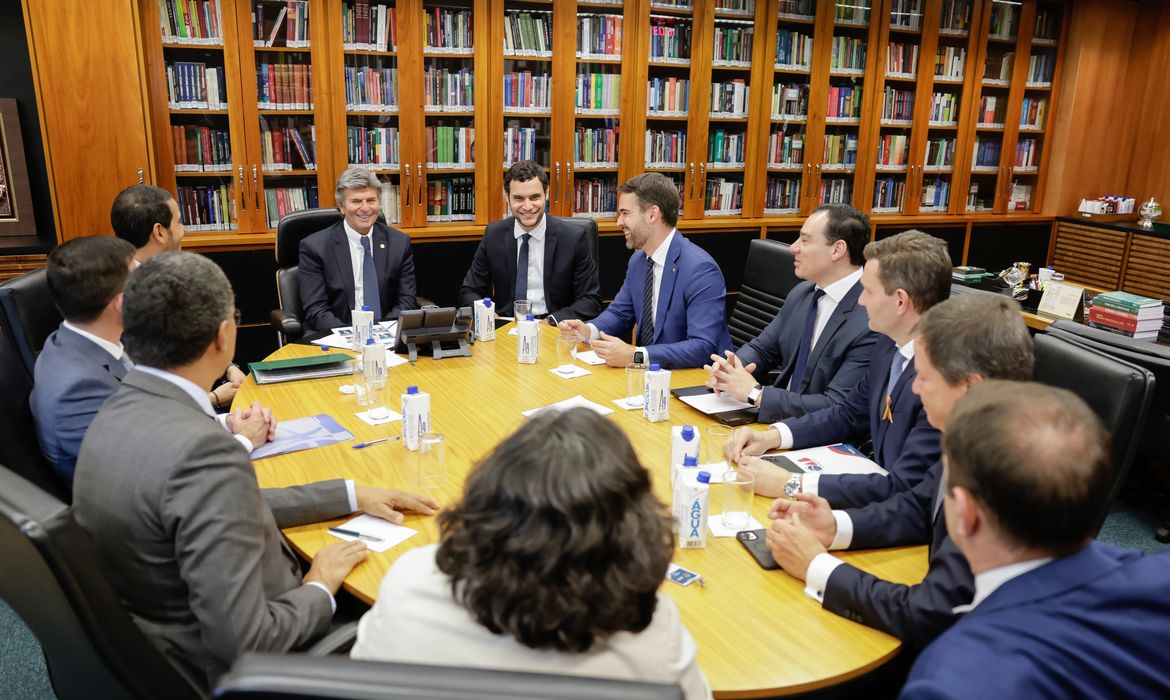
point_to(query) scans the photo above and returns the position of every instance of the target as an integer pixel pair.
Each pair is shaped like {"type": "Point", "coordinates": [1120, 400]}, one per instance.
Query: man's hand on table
{"type": "Point", "coordinates": [815, 514]}
{"type": "Point", "coordinates": [615, 351]}
{"type": "Point", "coordinates": [389, 504]}
{"type": "Point", "coordinates": [334, 562]}
{"type": "Point", "coordinates": [730, 376]}
{"type": "Point", "coordinates": [747, 442]}
{"type": "Point", "coordinates": [255, 423]}
{"type": "Point", "coordinates": [793, 545]}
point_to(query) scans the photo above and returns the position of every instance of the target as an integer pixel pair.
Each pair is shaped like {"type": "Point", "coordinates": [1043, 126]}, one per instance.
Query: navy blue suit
{"type": "Point", "coordinates": [905, 448]}
{"type": "Point", "coordinates": [72, 379]}
{"type": "Point", "coordinates": [835, 364]}
{"type": "Point", "coordinates": [326, 275]}
{"type": "Point", "coordinates": [915, 614]}
{"type": "Point", "coordinates": [1092, 625]}
{"type": "Point", "coordinates": [689, 323]}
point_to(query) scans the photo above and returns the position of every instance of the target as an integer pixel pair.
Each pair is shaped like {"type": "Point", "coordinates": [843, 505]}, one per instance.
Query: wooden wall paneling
{"type": "Point", "coordinates": [635, 74]}
{"type": "Point", "coordinates": [328, 85]}
{"type": "Point", "coordinates": [154, 67]}
{"type": "Point", "coordinates": [871, 101]}
{"type": "Point", "coordinates": [1089, 255]}
{"type": "Point", "coordinates": [1027, 24]}
{"type": "Point", "coordinates": [699, 123]}
{"type": "Point", "coordinates": [411, 124]}
{"type": "Point", "coordinates": [88, 68]}
{"type": "Point", "coordinates": [1148, 83]}
{"type": "Point", "coordinates": [1054, 96]}
{"type": "Point", "coordinates": [923, 96]}
{"type": "Point", "coordinates": [488, 32]}
{"type": "Point", "coordinates": [563, 100]}
{"type": "Point", "coordinates": [818, 100]}
{"type": "Point", "coordinates": [968, 111]}
{"type": "Point", "coordinates": [755, 175]}
{"type": "Point", "coordinates": [1145, 269]}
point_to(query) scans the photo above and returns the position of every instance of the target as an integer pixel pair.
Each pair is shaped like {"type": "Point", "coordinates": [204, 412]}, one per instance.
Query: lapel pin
{"type": "Point", "coordinates": [381, 245]}
{"type": "Point", "coordinates": [674, 269]}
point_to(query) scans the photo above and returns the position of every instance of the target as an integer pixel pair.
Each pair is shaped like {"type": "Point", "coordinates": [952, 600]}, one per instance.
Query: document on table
{"type": "Point", "coordinates": [368, 525]}
{"type": "Point", "coordinates": [303, 434]}
{"type": "Point", "coordinates": [589, 357]}
{"type": "Point", "coordinates": [577, 401]}
{"type": "Point", "coordinates": [830, 459]}
{"type": "Point", "coordinates": [342, 337]}
{"type": "Point", "coordinates": [710, 403]}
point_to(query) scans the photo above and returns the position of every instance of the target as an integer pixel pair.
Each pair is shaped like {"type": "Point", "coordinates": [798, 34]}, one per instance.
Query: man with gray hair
{"type": "Point", "coordinates": [357, 262]}
{"type": "Point", "coordinates": [190, 543]}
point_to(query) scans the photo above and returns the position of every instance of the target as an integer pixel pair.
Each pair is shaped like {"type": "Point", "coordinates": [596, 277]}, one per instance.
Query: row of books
{"type": "Point", "coordinates": [376, 146]}
{"type": "Point", "coordinates": [599, 36]}
{"type": "Point", "coordinates": [980, 198]}
{"type": "Point", "coordinates": [845, 101]}
{"type": "Point", "coordinates": [286, 145]}
{"type": "Point", "coordinates": [670, 39]}
{"type": "Point", "coordinates": [789, 100]}
{"type": "Point", "coordinates": [805, 9]}
{"type": "Point", "coordinates": [451, 199]}
{"type": "Point", "coordinates": [390, 200]}
{"type": "Point", "coordinates": [448, 30]}
{"type": "Point", "coordinates": [730, 98]}
{"type": "Point", "coordinates": [724, 196]}
{"type": "Point", "coordinates": [998, 66]}
{"type": "Point", "coordinates": [781, 195]}
{"type": "Point", "coordinates": [906, 14]}
{"type": "Point", "coordinates": [527, 91]}
{"type": "Point", "coordinates": [1005, 20]}
{"type": "Point", "coordinates": [944, 108]}
{"type": "Point", "coordinates": [527, 32]}
{"type": "Point", "coordinates": [192, 22]}
{"type": "Point", "coordinates": [901, 59]}
{"type": "Point", "coordinates": [1033, 111]}
{"type": "Point", "coordinates": [986, 151]}
{"type": "Point", "coordinates": [897, 104]}
{"type": "Point", "coordinates": [1127, 314]}
{"type": "Point", "coordinates": [733, 43]}
{"type": "Point", "coordinates": [726, 148]}
{"type": "Point", "coordinates": [793, 49]}
{"type": "Point", "coordinates": [785, 149]}
{"type": "Point", "coordinates": [201, 149]}
{"type": "Point", "coordinates": [836, 190]}
{"type": "Point", "coordinates": [1027, 153]}
{"type": "Point", "coordinates": [195, 86]}
{"type": "Point", "coordinates": [949, 62]}
{"type": "Point", "coordinates": [940, 151]}
{"type": "Point", "coordinates": [595, 197]}
{"type": "Point", "coordinates": [956, 15]}
{"type": "Point", "coordinates": [447, 89]}
{"type": "Point", "coordinates": [596, 146]}
{"type": "Point", "coordinates": [290, 24]}
{"type": "Point", "coordinates": [450, 146]}
{"type": "Point", "coordinates": [282, 201]}
{"type": "Point", "coordinates": [665, 149]}
{"type": "Point", "coordinates": [840, 149]}
{"type": "Point", "coordinates": [366, 27]}
{"type": "Point", "coordinates": [284, 85]}
{"type": "Point", "coordinates": [848, 54]}
{"type": "Point", "coordinates": [1047, 24]}
{"type": "Point", "coordinates": [992, 109]}
{"type": "Point", "coordinates": [672, 4]}
{"type": "Point", "coordinates": [893, 149]}
{"type": "Point", "coordinates": [936, 194]}
{"type": "Point", "coordinates": [1041, 67]}
{"type": "Point", "coordinates": [209, 207]}
{"type": "Point", "coordinates": [739, 7]}
{"type": "Point", "coordinates": [371, 88]}
{"type": "Point", "coordinates": [888, 193]}
{"type": "Point", "coordinates": [851, 13]}
{"type": "Point", "coordinates": [599, 92]}
{"type": "Point", "coordinates": [519, 144]}
{"type": "Point", "coordinates": [669, 96]}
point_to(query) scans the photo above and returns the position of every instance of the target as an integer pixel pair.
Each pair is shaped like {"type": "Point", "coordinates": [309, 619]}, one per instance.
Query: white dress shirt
{"type": "Point", "coordinates": [357, 262]}
{"type": "Point", "coordinates": [535, 264]}
{"type": "Point", "coordinates": [827, 304]}
{"type": "Point", "coordinates": [114, 349]}
{"type": "Point", "coordinates": [987, 582]}
{"type": "Point", "coordinates": [659, 258]}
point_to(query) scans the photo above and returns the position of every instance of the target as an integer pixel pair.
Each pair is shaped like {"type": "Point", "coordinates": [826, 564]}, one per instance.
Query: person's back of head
{"type": "Point", "coordinates": [173, 308]}
{"type": "Point", "coordinates": [845, 223]}
{"type": "Point", "coordinates": [136, 210]}
{"type": "Point", "coordinates": [1035, 459]}
{"type": "Point", "coordinates": [558, 540]}
{"type": "Point", "coordinates": [915, 262]}
{"type": "Point", "coordinates": [977, 334]}
{"type": "Point", "coordinates": [85, 274]}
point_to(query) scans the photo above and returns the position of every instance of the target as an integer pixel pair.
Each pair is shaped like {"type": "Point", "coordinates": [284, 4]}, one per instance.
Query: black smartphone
{"type": "Point", "coordinates": [783, 462]}
{"type": "Point", "coordinates": [753, 541]}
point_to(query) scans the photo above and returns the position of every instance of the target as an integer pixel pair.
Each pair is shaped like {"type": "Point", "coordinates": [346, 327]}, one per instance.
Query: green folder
{"type": "Point", "coordinates": [311, 367]}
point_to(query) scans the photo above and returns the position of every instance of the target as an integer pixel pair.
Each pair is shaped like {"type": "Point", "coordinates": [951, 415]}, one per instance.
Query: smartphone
{"type": "Point", "coordinates": [753, 541]}
{"type": "Point", "coordinates": [783, 462]}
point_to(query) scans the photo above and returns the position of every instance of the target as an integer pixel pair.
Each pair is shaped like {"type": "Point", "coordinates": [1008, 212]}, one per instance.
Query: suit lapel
{"type": "Point", "coordinates": [551, 237]}
{"type": "Point", "coordinates": [836, 320]}
{"type": "Point", "coordinates": [512, 249]}
{"type": "Point", "coordinates": [877, 399]}
{"type": "Point", "coordinates": [666, 290]}
{"type": "Point", "coordinates": [380, 240]}
{"type": "Point", "coordinates": [85, 346]}
{"type": "Point", "coordinates": [343, 264]}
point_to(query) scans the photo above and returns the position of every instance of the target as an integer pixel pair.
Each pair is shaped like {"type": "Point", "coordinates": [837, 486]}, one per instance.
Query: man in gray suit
{"type": "Point", "coordinates": [83, 361]}
{"type": "Point", "coordinates": [170, 500]}
{"type": "Point", "coordinates": [820, 341]}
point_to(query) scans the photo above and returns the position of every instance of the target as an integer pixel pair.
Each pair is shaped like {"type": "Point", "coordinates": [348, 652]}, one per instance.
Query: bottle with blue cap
{"type": "Point", "coordinates": [684, 442]}
{"type": "Point", "coordinates": [656, 396]}
{"type": "Point", "coordinates": [416, 416]}
{"type": "Point", "coordinates": [678, 472]}
{"type": "Point", "coordinates": [527, 340]}
{"type": "Point", "coordinates": [485, 322]}
{"type": "Point", "coordinates": [694, 507]}
{"type": "Point", "coordinates": [363, 327]}
{"type": "Point", "coordinates": [374, 373]}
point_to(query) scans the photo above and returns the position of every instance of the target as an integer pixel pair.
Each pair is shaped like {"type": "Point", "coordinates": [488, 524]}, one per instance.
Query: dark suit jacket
{"type": "Point", "coordinates": [571, 286]}
{"type": "Point", "coordinates": [690, 322]}
{"type": "Point", "coordinates": [73, 378]}
{"type": "Point", "coordinates": [905, 448]}
{"type": "Point", "coordinates": [171, 505]}
{"type": "Point", "coordinates": [835, 364]}
{"type": "Point", "coordinates": [1091, 625]}
{"type": "Point", "coordinates": [915, 614]}
{"type": "Point", "coordinates": [326, 275]}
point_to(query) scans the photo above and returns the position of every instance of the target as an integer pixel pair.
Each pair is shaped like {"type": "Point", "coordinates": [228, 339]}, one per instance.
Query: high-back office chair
{"type": "Point", "coordinates": [767, 279]}
{"type": "Point", "coordinates": [19, 449]}
{"type": "Point", "coordinates": [590, 228]}
{"type": "Point", "coordinates": [1118, 392]}
{"type": "Point", "coordinates": [290, 231]}
{"type": "Point", "coordinates": [28, 315]}
{"type": "Point", "coordinates": [273, 677]}
{"type": "Point", "coordinates": [49, 576]}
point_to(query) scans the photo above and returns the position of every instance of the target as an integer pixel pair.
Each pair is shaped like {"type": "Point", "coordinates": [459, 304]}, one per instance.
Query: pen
{"type": "Point", "coordinates": [360, 445]}
{"type": "Point", "coordinates": [579, 336]}
{"type": "Point", "coordinates": [355, 533]}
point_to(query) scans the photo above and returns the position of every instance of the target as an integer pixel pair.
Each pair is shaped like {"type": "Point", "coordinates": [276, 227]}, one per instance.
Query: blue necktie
{"type": "Point", "coordinates": [370, 296]}
{"type": "Point", "coordinates": [522, 270]}
{"type": "Point", "coordinates": [646, 325]}
{"type": "Point", "coordinates": [897, 364]}
{"type": "Point", "coordinates": [810, 322]}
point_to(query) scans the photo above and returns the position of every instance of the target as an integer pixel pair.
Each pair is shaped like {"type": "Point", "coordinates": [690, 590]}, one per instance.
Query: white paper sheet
{"type": "Point", "coordinates": [391, 416]}
{"type": "Point", "coordinates": [388, 532]}
{"type": "Point", "coordinates": [589, 357]}
{"type": "Point", "coordinates": [710, 403]}
{"type": "Point", "coordinates": [578, 371]}
{"type": "Point", "coordinates": [577, 401]}
{"type": "Point", "coordinates": [717, 528]}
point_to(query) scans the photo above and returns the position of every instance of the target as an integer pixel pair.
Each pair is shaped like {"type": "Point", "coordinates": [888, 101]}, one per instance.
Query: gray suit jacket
{"type": "Point", "coordinates": [172, 507]}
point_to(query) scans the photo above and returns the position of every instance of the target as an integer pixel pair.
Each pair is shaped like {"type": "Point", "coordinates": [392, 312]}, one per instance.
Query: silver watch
{"type": "Point", "coordinates": [792, 486]}
{"type": "Point", "coordinates": [754, 394]}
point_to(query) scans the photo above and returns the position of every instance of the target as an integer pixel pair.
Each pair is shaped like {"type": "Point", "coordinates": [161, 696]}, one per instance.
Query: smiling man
{"type": "Point", "coordinates": [359, 261]}
{"type": "Point", "coordinates": [533, 256]}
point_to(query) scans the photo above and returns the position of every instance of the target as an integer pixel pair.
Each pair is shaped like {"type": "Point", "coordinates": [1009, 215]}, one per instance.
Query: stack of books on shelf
{"type": "Point", "coordinates": [793, 49]}
{"type": "Point", "coordinates": [519, 143]}
{"type": "Point", "coordinates": [666, 149]}
{"type": "Point", "coordinates": [284, 85]}
{"type": "Point", "coordinates": [527, 33]}
{"type": "Point", "coordinates": [451, 200]}
{"type": "Point", "coordinates": [785, 149]}
{"type": "Point", "coordinates": [599, 93]}
{"type": "Point", "coordinates": [293, 18]}
{"type": "Point", "coordinates": [191, 22]}
{"type": "Point", "coordinates": [447, 90]}
{"type": "Point", "coordinates": [201, 149]}
{"type": "Point", "coordinates": [670, 40]}
{"type": "Point", "coordinates": [599, 36]}
{"type": "Point", "coordinates": [391, 203]}
{"type": "Point", "coordinates": [668, 97]}
{"type": "Point", "coordinates": [450, 147]}
{"type": "Point", "coordinates": [282, 201]}
{"type": "Point", "coordinates": [366, 27]}
{"type": "Point", "coordinates": [195, 86]}
{"type": "Point", "coordinates": [525, 91]}
{"type": "Point", "coordinates": [733, 44]}
{"type": "Point", "coordinates": [725, 149]}
{"type": "Point", "coordinates": [1127, 314]}
{"type": "Point", "coordinates": [207, 207]}
{"type": "Point", "coordinates": [448, 30]}
{"type": "Point", "coordinates": [371, 89]}
{"type": "Point", "coordinates": [729, 99]}
{"type": "Point", "coordinates": [373, 146]}
{"type": "Point", "coordinates": [968, 274]}
{"type": "Point", "coordinates": [280, 142]}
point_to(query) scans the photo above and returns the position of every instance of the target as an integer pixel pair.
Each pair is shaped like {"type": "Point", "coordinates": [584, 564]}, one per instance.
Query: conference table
{"type": "Point", "coordinates": [758, 634]}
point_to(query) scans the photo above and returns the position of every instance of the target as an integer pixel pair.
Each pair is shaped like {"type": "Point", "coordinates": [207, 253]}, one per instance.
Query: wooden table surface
{"type": "Point", "coordinates": [757, 633]}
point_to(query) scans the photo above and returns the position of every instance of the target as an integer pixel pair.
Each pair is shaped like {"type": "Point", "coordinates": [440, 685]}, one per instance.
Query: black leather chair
{"type": "Point", "coordinates": [50, 577]}
{"type": "Point", "coordinates": [1117, 391]}
{"type": "Point", "coordinates": [19, 449]}
{"type": "Point", "coordinates": [27, 315]}
{"type": "Point", "coordinates": [767, 279]}
{"type": "Point", "coordinates": [272, 676]}
{"type": "Point", "coordinates": [590, 228]}
{"type": "Point", "coordinates": [290, 231]}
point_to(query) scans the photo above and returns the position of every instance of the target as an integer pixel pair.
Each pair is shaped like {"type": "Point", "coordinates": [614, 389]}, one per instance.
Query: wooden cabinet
{"type": "Point", "coordinates": [1112, 256]}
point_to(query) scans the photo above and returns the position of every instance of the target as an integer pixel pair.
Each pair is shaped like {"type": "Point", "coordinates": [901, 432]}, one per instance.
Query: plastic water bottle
{"type": "Point", "coordinates": [527, 341]}
{"type": "Point", "coordinates": [677, 497]}
{"type": "Point", "coordinates": [684, 441]}
{"type": "Point", "coordinates": [656, 397]}
{"type": "Point", "coordinates": [696, 491]}
{"type": "Point", "coordinates": [416, 416]}
{"type": "Point", "coordinates": [374, 373]}
{"type": "Point", "coordinates": [485, 324]}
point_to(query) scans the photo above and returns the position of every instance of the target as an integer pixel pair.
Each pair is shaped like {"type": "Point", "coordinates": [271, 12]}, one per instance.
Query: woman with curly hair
{"type": "Point", "coordinates": [551, 563]}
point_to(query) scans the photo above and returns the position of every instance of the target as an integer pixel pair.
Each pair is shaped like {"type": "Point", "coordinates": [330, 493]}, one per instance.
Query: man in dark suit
{"type": "Point", "coordinates": [963, 341]}
{"type": "Point", "coordinates": [533, 256]}
{"type": "Point", "coordinates": [1055, 614]}
{"type": "Point", "coordinates": [673, 291]}
{"type": "Point", "coordinates": [820, 340]}
{"type": "Point", "coordinates": [170, 500]}
{"type": "Point", "coordinates": [83, 361]}
{"type": "Point", "coordinates": [357, 262]}
{"type": "Point", "coordinates": [904, 276]}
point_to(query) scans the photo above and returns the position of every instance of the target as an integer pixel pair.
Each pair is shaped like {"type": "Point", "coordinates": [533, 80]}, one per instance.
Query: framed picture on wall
{"type": "Point", "coordinates": [16, 213]}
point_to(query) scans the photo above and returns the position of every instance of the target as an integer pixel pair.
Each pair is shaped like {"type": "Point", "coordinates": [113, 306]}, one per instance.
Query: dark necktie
{"type": "Point", "coordinates": [897, 365]}
{"type": "Point", "coordinates": [810, 322]}
{"type": "Point", "coordinates": [370, 296]}
{"type": "Point", "coordinates": [646, 325]}
{"type": "Point", "coordinates": [522, 270]}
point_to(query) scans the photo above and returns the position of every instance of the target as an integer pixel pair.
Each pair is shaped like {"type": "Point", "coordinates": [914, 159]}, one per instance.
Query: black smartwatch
{"type": "Point", "coordinates": [639, 357]}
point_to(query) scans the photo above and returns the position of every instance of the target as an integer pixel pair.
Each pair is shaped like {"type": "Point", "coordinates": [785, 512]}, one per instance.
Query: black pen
{"type": "Point", "coordinates": [355, 533]}
{"type": "Point", "coordinates": [360, 445]}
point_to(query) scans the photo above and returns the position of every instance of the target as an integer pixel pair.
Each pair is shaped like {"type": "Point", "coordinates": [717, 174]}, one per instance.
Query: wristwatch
{"type": "Point", "coordinates": [792, 486]}
{"type": "Point", "coordinates": [754, 395]}
{"type": "Point", "coordinates": [639, 357]}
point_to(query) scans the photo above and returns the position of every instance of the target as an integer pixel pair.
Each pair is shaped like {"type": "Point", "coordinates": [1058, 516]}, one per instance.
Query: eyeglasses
{"type": "Point", "coordinates": [237, 316]}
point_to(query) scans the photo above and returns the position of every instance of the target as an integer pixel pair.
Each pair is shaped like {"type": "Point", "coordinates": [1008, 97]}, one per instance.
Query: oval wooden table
{"type": "Point", "coordinates": [757, 633]}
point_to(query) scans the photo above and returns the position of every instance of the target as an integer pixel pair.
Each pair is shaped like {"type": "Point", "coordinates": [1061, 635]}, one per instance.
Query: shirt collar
{"type": "Point", "coordinates": [190, 387]}
{"type": "Point", "coordinates": [537, 231]}
{"type": "Point", "coordinates": [659, 255]}
{"type": "Point", "coordinates": [988, 581]}
{"type": "Point", "coordinates": [355, 238]}
{"type": "Point", "coordinates": [137, 263]}
{"type": "Point", "coordinates": [837, 290]}
{"type": "Point", "coordinates": [114, 349]}
{"type": "Point", "coordinates": [907, 350]}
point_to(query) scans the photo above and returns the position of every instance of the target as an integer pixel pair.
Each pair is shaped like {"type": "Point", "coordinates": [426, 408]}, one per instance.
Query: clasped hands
{"type": "Point", "coordinates": [615, 351]}
{"type": "Point", "coordinates": [730, 376]}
